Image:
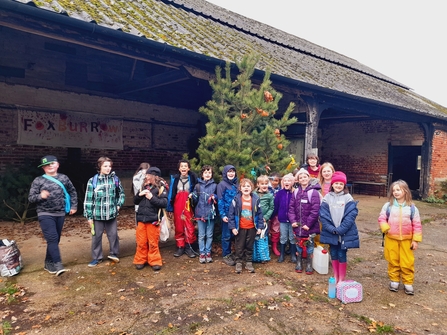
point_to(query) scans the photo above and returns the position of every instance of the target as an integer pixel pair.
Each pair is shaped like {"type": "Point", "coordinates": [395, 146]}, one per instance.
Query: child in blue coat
{"type": "Point", "coordinates": [338, 212]}
{"type": "Point", "coordinates": [204, 199]}
{"type": "Point", "coordinates": [245, 221]}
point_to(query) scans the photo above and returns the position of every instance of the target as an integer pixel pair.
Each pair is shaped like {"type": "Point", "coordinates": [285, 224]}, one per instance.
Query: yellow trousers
{"type": "Point", "coordinates": [400, 260]}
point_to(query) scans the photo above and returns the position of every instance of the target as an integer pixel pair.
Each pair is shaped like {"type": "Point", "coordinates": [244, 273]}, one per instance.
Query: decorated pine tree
{"type": "Point", "coordinates": [242, 129]}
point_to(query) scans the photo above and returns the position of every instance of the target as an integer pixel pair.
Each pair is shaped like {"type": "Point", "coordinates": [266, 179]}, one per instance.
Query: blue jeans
{"type": "Point", "coordinates": [337, 253]}
{"type": "Point", "coordinates": [52, 229]}
{"type": "Point", "coordinates": [206, 229]}
{"type": "Point", "coordinates": [286, 233]}
{"type": "Point", "coordinates": [226, 239]}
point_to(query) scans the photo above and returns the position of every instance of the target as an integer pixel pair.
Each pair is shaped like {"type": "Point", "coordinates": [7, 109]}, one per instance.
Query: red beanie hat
{"type": "Point", "coordinates": [338, 176]}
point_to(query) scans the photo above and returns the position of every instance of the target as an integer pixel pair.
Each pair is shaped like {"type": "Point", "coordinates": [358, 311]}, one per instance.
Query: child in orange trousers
{"type": "Point", "coordinates": [152, 197]}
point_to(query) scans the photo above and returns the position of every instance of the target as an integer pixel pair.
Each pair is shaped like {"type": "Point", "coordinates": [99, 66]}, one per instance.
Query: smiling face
{"type": "Point", "coordinates": [106, 167]}
{"type": "Point", "coordinates": [327, 173]}
{"type": "Point", "coordinates": [246, 189]}
{"type": "Point", "coordinates": [263, 186]}
{"type": "Point", "coordinates": [398, 193]}
{"type": "Point", "coordinates": [183, 169]}
{"type": "Point", "coordinates": [274, 182]}
{"type": "Point", "coordinates": [312, 161]}
{"type": "Point", "coordinates": [303, 180]}
{"type": "Point", "coordinates": [231, 174]}
{"type": "Point", "coordinates": [338, 186]}
{"type": "Point", "coordinates": [207, 174]}
{"type": "Point", "coordinates": [287, 183]}
{"type": "Point", "coordinates": [51, 169]}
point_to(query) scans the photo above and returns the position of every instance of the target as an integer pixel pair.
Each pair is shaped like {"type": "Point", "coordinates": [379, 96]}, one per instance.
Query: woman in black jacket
{"type": "Point", "coordinates": [152, 197]}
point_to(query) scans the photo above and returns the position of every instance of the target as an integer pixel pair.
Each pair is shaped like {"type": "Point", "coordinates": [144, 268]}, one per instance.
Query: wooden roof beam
{"type": "Point", "coordinates": [162, 79]}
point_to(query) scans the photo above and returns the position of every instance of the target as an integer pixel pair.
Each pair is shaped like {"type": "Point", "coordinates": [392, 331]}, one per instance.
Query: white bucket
{"type": "Point", "coordinates": [320, 262]}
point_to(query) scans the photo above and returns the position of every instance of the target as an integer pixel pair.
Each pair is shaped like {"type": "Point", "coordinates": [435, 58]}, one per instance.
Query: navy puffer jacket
{"type": "Point", "coordinates": [204, 207]}
{"type": "Point", "coordinates": [346, 233]}
{"type": "Point", "coordinates": [226, 191]}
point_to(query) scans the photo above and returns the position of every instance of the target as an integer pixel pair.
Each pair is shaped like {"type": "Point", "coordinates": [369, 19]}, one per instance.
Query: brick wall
{"type": "Point", "coordinates": [361, 148]}
{"type": "Point", "coordinates": [438, 173]}
{"type": "Point", "coordinates": [159, 135]}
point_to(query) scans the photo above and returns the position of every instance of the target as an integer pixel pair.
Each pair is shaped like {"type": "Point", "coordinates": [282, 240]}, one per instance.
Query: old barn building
{"type": "Point", "coordinates": [80, 79]}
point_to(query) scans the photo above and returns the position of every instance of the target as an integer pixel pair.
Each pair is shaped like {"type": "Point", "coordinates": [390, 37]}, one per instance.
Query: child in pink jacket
{"type": "Point", "coordinates": [400, 222]}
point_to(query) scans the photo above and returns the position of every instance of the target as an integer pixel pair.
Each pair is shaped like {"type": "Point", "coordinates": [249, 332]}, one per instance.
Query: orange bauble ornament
{"type": "Point", "coordinates": [277, 132]}
{"type": "Point", "coordinates": [243, 116]}
{"type": "Point", "coordinates": [280, 146]}
{"type": "Point", "coordinates": [268, 97]}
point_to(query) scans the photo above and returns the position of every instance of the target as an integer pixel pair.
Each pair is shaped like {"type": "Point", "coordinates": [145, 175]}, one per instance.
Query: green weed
{"type": "Point", "coordinates": [5, 328]}
{"type": "Point", "coordinates": [356, 260]}
{"type": "Point", "coordinates": [9, 291]}
{"type": "Point", "coordinates": [251, 307]}
{"type": "Point", "coordinates": [384, 329]}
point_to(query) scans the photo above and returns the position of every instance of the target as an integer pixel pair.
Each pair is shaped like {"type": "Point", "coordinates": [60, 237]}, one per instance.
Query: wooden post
{"type": "Point", "coordinates": [313, 118]}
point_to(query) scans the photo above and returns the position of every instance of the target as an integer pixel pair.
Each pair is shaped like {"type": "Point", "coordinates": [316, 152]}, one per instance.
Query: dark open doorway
{"type": "Point", "coordinates": [404, 165]}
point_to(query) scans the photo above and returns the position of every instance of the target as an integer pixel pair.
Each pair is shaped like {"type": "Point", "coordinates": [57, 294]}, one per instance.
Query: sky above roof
{"type": "Point", "coordinates": [402, 39]}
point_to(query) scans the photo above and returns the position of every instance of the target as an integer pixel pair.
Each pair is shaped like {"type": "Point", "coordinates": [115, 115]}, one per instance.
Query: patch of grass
{"type": "Point", "coordinates": [251, 307]}
{"type": "Point", "coordinates": [384, 329]}
{"type": "Point", "coordinates": [228, 301]}
{"type": "Point", "coordinates": [269, 273]}
{"type": "Point", "coordinates": [434, 200]}
{"type": "Point", "coordinates": [425, 221]}
{"type": "Point", "coordinates": [364, 319]}
{"type": "Point", "coordinates": [166, 331]}
{"type": "Point", "coordinates": [286, 298]}
{"type": "Point", "coordinates": [9, 291]}
{"type": "Point", "coordinates": [5, 328]}
{"type": "Point", "coordinates": [356, 260]}
{"type": "Point", "coordinates": [318, 298]}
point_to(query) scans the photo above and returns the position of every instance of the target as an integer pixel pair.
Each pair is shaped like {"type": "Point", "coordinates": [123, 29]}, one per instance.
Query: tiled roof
{"type": "Point", "coordinates": [207, 29]}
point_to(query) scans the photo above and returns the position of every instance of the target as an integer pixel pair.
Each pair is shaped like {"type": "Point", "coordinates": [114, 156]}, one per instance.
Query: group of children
{"type": "Point", "coordinates": [300, 210]}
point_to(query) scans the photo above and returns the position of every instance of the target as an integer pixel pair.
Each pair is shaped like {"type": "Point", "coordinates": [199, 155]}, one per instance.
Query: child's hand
{"type": "Point", "coordinates": [295, 224]}
{"type": "Point", "coordinates": [44, 194]}
{"type": "Point", "coordinates": [414, 245]}
{"type": "Point", "coordinates": [305, 227]}
{"type": "Point", "coordinates": [258, 232]}
{"type": "Point", "coordinates": [225, 219]}
{"type": "Point", "coordinates": [234, 231]}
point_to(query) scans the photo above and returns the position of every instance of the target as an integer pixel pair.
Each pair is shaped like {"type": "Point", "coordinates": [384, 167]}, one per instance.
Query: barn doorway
{"type": "Point", "coordinates": [405, 163]}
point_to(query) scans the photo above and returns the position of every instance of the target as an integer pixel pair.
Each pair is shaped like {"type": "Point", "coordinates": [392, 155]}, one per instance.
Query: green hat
{"type": "Point", "coordinates": [45, 160]}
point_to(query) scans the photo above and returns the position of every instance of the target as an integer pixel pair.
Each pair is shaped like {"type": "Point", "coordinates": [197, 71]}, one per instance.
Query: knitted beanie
{"type": "Point", "coordinates": [338, 176]}
{"type": "Point", "coordinates": [301, 171]}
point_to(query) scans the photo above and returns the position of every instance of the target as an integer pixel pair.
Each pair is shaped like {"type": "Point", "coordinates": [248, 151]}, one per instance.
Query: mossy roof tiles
{"type": "Point", "coordinates": [202, 27]}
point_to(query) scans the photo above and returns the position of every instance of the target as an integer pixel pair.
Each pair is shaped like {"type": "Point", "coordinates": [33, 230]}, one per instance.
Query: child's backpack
{"type": "Point", "coordinates": [309, 194]}
{"type": "Point", "coordinates": [95, 181]}
{"type": "Point", "coordinates": [117, 184]}
{"type": "Point", "coordinates": [388, 210]}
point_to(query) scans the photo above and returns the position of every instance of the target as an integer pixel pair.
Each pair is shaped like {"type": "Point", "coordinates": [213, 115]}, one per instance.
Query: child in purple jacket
{"type": "Point", "coordinates": [281, 202]}
{"type": "Point", "coordinates": [303, 214]}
